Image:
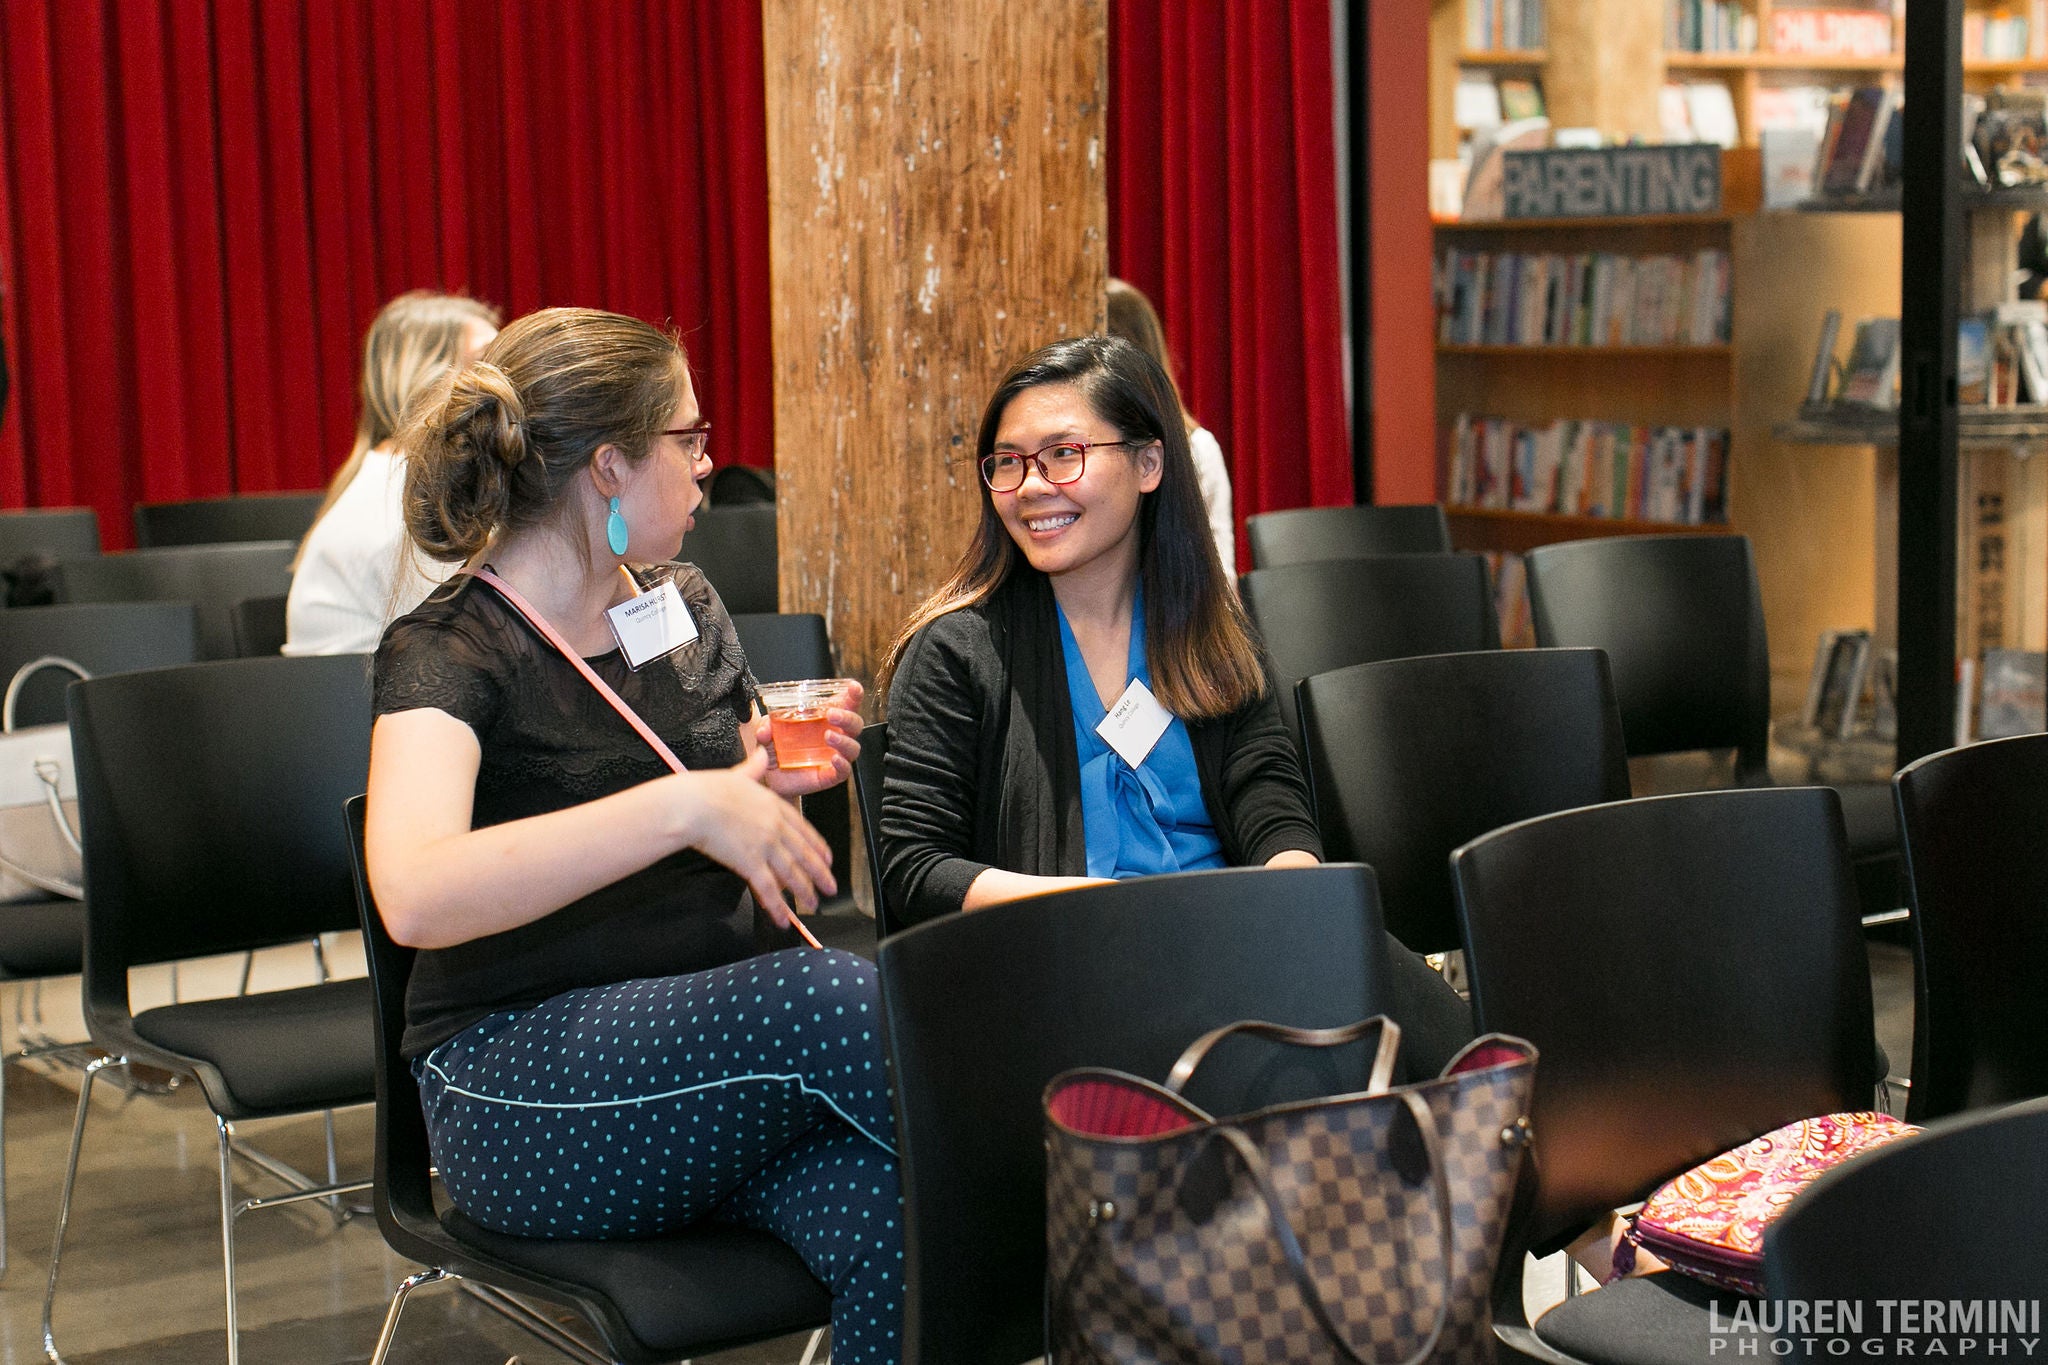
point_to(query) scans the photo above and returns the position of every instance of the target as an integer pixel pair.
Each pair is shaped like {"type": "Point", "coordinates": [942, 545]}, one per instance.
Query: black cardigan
{"type": "Point", "coordinates": [982, 770]}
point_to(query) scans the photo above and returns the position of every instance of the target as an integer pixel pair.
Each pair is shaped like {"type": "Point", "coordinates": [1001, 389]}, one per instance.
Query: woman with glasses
{"type": "Point", "coordinates": [1083, 699]}
{"type": "Point", "coordinates": [569, 804]}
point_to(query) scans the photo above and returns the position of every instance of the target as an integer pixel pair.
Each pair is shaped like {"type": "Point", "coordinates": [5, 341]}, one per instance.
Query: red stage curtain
{"type": "Point", "coordinates": [203, 202]}
{"type": "Point", "coordinates": [1223, 209]}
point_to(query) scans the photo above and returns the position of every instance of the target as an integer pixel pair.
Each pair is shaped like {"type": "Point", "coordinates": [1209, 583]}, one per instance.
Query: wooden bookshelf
{"type": "Point", "coordinates": [1554, 351]}
{"type": "Point", "coordinates": [1533, 56]}
{"type": "Point", "coordinates": [1778, 61]}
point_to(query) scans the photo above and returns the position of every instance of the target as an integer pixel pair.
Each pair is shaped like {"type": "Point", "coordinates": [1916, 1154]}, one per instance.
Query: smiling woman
{"type": "Point", "coordinates": [1084, 699]}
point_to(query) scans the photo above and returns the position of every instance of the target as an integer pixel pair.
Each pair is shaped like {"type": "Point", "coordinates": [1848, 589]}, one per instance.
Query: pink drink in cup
{"type": "Point", "coordinates": [796, 719]}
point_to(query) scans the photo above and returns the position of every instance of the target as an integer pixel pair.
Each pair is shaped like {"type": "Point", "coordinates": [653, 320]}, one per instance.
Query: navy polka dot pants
{"type": "Point", "coordinates": [754, 1093]}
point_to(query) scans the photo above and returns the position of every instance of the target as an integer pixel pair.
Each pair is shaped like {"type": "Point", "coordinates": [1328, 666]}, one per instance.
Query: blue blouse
{"type": "Point", "coordinates": [1143, 821]}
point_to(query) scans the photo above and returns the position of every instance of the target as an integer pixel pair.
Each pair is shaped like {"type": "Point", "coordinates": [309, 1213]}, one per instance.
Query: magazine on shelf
{"type": "Point", "coordinates": [2013, 694]}
{"type": "Point", "coordinates": [1853, 135]}
{"type": "Point", "coordinates": [1824, 359]}
{"type": "Point", "coordinates": [1973, 361]}
{"type": "Point", "coordinates": [1871, 376]}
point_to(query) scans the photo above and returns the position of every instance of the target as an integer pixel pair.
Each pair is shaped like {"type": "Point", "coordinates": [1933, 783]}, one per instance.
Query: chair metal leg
{"type": "Point", "coordinates": [811, 1350]}
{"type": "Point", "coordinates": [405, 1288]}
{"type": "Point", "coordinates": [225, 1137]}
{"type": "Point", "coordinates": [92, 1071]}
{"type": "Point", "coordinates": [510, 1307]}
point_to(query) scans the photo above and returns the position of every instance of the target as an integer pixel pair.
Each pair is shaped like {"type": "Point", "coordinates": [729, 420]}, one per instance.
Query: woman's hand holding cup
{"type": "Point", "coordinates": [813, 727]}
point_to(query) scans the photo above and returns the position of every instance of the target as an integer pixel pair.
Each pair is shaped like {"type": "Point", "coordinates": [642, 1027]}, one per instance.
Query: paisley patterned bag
{"type": "Point", "coordinates": [1709, 1223]}
{"type": "Point", "coordinates": [1360, 1228]}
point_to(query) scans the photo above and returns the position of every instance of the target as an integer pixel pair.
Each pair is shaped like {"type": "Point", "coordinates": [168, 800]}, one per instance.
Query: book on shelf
{"type": "Point", "coordinates": [1520, 98]}
{"type": "Point", "coordinates": [1510, 574]}
{"type": "Point", "coordinates": [1589, 469]}
{"type": "Point", "coordinates": [2013, 693]}
{"type": "Point", "coordinates": [2010, 137]}
{"type": "Point", "coordinates": [1503, 24]}
{"type": "Point", "coordinates": [1818, 383]}
{"type": "Point", "coordinates": [2006, 34]}
{"type": "Point", "coordinates": [1711, 110]}
{"type": "Point", "coordinates": [1710, 26]}
{"type": "Point", "coordinates": [1973, 361]}
{"type": "Point", "coordinates": [1788, 160]}
{"type": "Point", "coordinates": [1590, 299]}
{"type": "Point", "coordinates": [1852, 148]}
{"type": "Point", "coordinates": [1842, 32]}
{"type": "Point", "coordinates": [1870, 378]}
{"type": "Point", "coordinates": [1475, 103]}
{"type": "Point", "coordinates": [1486, 182]}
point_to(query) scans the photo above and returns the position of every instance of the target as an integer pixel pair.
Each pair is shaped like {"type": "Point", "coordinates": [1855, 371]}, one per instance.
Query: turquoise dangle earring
{"type": "Point", "coordinates": [615, 529]}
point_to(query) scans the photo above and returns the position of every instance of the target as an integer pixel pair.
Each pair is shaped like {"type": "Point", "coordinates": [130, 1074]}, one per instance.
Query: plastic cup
{"type": "Point", "coordinates": [796, 719]}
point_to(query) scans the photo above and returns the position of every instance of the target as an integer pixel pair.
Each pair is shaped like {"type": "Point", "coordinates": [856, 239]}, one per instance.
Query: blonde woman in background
{"type": "Point", "coordinates": [1131, 317]}
{"type": "Point", "coordinates": [355, 572]}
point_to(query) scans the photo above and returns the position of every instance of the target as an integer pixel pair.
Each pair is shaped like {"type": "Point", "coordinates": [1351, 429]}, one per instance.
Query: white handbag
{"type": "Point", "coordinates": [40, 855]}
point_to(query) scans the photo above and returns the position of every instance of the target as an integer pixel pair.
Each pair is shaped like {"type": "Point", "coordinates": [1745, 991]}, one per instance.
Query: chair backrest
{"type": "Point", "coordinates": [207, 794]}
{"type": "Point", "coordinates": [980, 1011]}
{"type": "Point", "coordinates": [211, 577]}
{"type": "Point", "coordinates": [783, 648]}
{"type": "Point", "coordinates": [259, 626]}
{"type": "Point", "coordinates": [217, 521]}
{"type": "Point", "coordinates": [1335, 613]}
{"type": "Point", "coordinates": [1968, 1193]}
{"type": "Point", "coordinates": [735, 547]}
{"type": "Point", "coordinates": [867, 793]}
{"type": "Point", "coordinates": [59, 532]}
{"type": "Point", "coordinates": [1682, 621]}
{"type": "Point", "coordinates": [1410, 758]}
{"type": "Point", "coordinates": [1973, 821]}
{"type": "Point", "coordinates": [1691, 970]}
{"type": "Point", "coordinates": [404, 1191]}
{"type": "Point", "coordinates": [735, 484]}
{"type": "Point", "coordinates": [1303, 534]}
{"type": "Point", "coordinates": [100, 637]}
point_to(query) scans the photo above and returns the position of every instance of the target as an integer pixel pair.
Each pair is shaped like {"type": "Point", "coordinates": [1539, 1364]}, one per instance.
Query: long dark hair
{"type": "Point", "coordinates": [1198, 643]}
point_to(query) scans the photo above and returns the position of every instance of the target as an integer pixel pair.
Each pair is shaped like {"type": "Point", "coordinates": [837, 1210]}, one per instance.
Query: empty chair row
{"type": "Point", "coordinates": [74, 532]}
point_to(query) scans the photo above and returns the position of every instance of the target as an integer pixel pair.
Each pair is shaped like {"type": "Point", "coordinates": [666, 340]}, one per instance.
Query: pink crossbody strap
{"type": "Point", "coordinates": [554, 637]}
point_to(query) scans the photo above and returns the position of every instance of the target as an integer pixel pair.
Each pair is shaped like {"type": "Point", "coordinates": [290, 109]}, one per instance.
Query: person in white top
{"type": "Point", "coordinates": [1131, 317]}
{"type": "Point", "coordinates": [356, 572]}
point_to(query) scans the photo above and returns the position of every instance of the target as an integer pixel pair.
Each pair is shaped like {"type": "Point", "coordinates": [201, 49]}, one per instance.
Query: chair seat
{"type": "Point", "coordinates": [42, 938]}
{"type": "Point", "coordinates": [711, 1287]}
{"type": "Point", "coordinates": [276, 1051]}
{"type": "Point", "coordinates": [1646, 1320]}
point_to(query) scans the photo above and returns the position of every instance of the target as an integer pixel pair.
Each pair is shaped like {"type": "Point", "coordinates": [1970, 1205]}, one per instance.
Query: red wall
{"type": "Point", "coordinates": [1403, 316]}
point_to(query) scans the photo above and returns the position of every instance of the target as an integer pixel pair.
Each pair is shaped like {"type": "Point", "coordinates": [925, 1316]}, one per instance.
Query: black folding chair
{"type": "Point", "coordinates": [1303, 534]}
{"type": "Point", "coordinates": [211, 577]}
{"type": "Point", "coordinates": [1410, 758]}
{"type": "Point", "coordinates": [980, 1011]}
{"type": "Point", "coordinates": [1691, 970]}
{"type": "Point", "coordinates": [711, 1287]}
{"type": "Point", "coordinates": [1333, 613]}
{"type": "Point", "coordinates": [735, 547]}
{"type": "Point", "coordinates": [217, 521]}
{"type": "Point", "coordinates": [1974, 820]}
{"type": "Point", "coordinates": [207, 794]}
{"type": "Point", "coordinates": [59, 532]}
{"type": "Point", "coordinates": [1681, 618]}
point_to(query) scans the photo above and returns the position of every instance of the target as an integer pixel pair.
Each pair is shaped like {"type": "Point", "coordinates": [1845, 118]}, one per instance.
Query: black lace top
{"type": "Point", "coordinates": [549, 742]}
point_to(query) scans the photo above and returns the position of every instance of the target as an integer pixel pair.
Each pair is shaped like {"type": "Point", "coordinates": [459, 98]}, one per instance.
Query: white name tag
{"type": "Point", "coordinates": [1135, 723]}
{"type": "Point", "coordinates": [655, 623]}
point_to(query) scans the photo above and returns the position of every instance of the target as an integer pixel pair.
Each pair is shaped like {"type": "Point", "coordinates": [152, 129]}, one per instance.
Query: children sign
{"type": "Point", "coordinates": [1612, 182]}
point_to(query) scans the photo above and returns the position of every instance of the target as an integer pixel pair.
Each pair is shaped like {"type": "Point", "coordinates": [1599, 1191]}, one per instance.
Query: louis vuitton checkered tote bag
{"type": "Point", "coordinates": [1360, 1228]}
